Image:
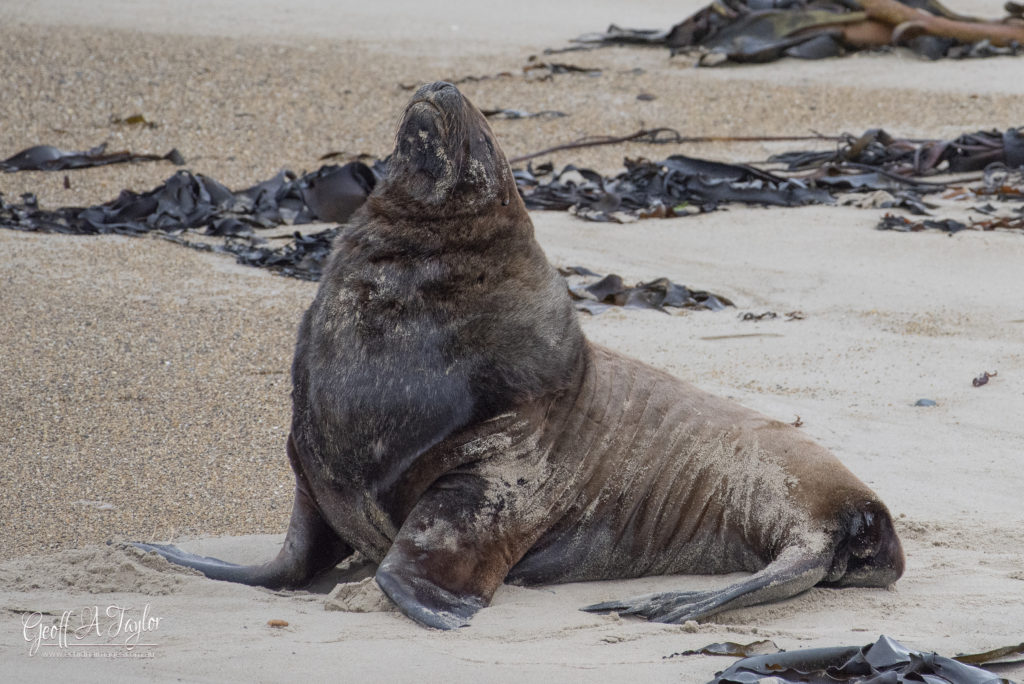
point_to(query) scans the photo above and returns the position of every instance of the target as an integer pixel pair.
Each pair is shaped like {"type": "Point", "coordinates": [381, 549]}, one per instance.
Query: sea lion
{"type": "Point", "coordinates": [451, 422]}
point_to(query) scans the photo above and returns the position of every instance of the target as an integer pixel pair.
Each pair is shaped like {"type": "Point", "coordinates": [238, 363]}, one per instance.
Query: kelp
{"type": "Point", "coordinates": [754, 31]}
{"type": "Point", "coordinates": [732, 649]}
{"type": "Point", "coordinates": [188, 201]}
{"type": "Point", "coordinates": [50, 158]}
{"type": "Point", "coordinates": [595, 293]}
{"type": "Point", "coordinates": [904, 157]}
{"type": "Point", "coordinates": [771, 315]}
{"type": "Point", "coordinates": [997, 656]}
{"type": "Point", "coordinates": [904, 225]}
{"type": "Point", "coordinates": [674, 186]}
{"type": "Point", "coordinates": [905, 170]}
{"type": "Point", "coordinates": [303, 256]}
{"type": "Point", "coordinates": [885, 660]}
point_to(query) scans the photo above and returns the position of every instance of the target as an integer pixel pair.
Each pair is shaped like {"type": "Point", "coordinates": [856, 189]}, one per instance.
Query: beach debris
{"type": "Point", "coordinates": [538, 69]}
{"type": "Point", "coordinates": [595, 293]}
{"type": "Point", "coordinates": [771, 315]}
{"type": "Point", "coordinates": [133, 120]}
{"type": "Point", "coordinates": [875, 149]}
{"type": "Point", "coordinates": [751, 316]}
{"type": "Point", "coordinates": [983, 378]}
{"type": "Point", "coordinates": [885, 170]}
{"type": "Point", "coordinates": [50, 158]}
{"type": "Point", "coordinates": [333, 193]}
{"type": "Point", "coordinates": [875, 163]}
{"type": "Point", "coordinates": [798, 422]}
{"type": "Point", "coordinates": [188, 201]}
{"type": "Point", "coordinates": [277, 624]}
{"type": "Point", "coordinates": [193, 204]}
{"type": "Point", "coordinates": [905, 225]}
{"type": "Point", "coordinates": [675, 186]}
{"type": "Point", "coordinates": [925, 402]}
{"type": "Point", "coordinates": [731, 648]}
{"type": "Point", "coordinates": [513, 114]}
{"type": "Point", "coordinates": [997, 656]}
{"type": "Point", "coordinates": [885, 660]}
{"type": "Point", "coordinates": [754, 31]}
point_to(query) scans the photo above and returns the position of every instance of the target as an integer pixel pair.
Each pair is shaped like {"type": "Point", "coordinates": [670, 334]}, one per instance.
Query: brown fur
{"type": "Point", "coordinates": [451, 422]}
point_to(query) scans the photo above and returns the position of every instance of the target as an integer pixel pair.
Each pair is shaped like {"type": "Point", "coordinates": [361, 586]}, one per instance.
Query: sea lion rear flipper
{"type": "Point", "coordinates": [455, 549]}
{"type": "Point", "coordinates": [793, 572]}
{"type": "Point", "coordinates": [310, 547]}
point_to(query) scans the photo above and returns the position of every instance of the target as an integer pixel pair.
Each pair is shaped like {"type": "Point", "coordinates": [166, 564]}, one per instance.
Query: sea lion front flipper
{"type": "Point", "coordinates": [455, 548]}
{"type": "Point", "coordinates": [794, 571]}
{"type": "Point", "coordinates": [310, 547]}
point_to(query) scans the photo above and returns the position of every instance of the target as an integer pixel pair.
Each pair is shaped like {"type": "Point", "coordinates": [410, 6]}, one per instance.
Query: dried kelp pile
{"type": "Point", "coordinates": [674, 186]}
{"type": "Point", "coordinates": [886, 660]}
{"type": "Point", "coordinates": [595, 294]}
{"type": "Point", "coordinates": [893, 168]}
{"type": "Point", "coordinates": [877, 150]}
{"type": "Point", "coordinates": [766, 30]}
{"type": "Point", "coordinates": [189, 202]}
{"type": "Point", "coordinates": [1000, 188]}
{"type": "Point", "coordinates": [192, 209]}
{"type": "Point", "coordinates": [900, 172]}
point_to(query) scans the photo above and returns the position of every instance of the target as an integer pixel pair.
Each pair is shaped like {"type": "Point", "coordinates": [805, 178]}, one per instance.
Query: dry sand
{"type": "Point", "coordinates": [144, 387]}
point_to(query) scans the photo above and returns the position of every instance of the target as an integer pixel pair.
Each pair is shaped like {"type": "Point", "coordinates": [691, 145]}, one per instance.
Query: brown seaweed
{"type": "Point", "coordinates": [885, 660]}
{"type": "Point", "coordinates": [876, 149]}
{"type": "Point", "coordinates": [997, 656]}
{"type": "Point", "coordinates": [731, 648]}
{"type": "Point", "coordinates": [673, 185]}
{"type": "Point", "coordinates": [755, 31]}
{"type": "Point", "coordinates": [596, 294]}
{"type": "Point", "coordinates": [50, 158]}
{"type": "Point", "coordinates": [188, 201]}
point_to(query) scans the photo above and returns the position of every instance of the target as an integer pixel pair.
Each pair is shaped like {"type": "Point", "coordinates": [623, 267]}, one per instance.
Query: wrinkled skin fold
{"type": "Point", "coordinates": [462, 436]}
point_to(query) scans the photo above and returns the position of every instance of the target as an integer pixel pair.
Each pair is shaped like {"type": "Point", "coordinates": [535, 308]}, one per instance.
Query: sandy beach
{"type": "Point", "coordinates": [144, 387]}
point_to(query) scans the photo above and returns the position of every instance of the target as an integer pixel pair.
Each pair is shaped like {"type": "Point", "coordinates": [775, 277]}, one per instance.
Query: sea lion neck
{"type": "Point", "coordinates": [446, 160]}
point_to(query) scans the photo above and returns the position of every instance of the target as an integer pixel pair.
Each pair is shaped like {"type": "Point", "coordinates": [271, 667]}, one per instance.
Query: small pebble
{"type": "Point", "coordinates": [925, 402]}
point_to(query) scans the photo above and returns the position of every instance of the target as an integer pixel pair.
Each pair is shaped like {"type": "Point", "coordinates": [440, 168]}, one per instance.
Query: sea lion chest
{"type": "Point", "coordinates": [408, 344]}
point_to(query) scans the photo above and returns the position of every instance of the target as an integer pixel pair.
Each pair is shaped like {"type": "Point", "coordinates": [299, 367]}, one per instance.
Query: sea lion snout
{"type": "Point", "coordinates": [446, 159]}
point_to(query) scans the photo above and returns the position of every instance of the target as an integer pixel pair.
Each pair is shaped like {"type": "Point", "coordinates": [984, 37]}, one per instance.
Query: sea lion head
{"type": "Point", "coordinates": [446, 160]}
{"type": "Point", "coordinates": [868, 552]}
